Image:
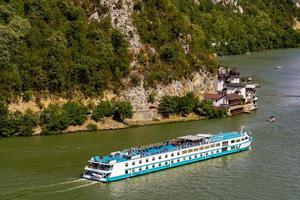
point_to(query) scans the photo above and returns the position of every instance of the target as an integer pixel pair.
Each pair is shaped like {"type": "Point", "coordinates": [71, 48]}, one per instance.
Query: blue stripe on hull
{"type": "Point", "coordinates": [174, 165]}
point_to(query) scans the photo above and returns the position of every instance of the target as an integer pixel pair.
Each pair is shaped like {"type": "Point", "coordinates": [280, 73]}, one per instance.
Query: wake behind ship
{"type": "Point", "coordinates": [172, 153]}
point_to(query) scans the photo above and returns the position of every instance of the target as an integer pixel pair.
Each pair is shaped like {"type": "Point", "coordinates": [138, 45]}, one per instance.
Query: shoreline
{"type": "Point", "coordinates": [172, 120]}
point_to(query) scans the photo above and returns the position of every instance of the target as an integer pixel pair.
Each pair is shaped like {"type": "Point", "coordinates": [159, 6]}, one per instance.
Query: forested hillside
{"type": "Point", "coordinates": [53, 47]}
{"type": "Point", "coordinates": [232, 28]}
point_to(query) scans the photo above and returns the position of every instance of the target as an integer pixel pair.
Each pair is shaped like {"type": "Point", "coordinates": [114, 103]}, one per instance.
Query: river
{"type": "Point", "coordinates": [49, 167]}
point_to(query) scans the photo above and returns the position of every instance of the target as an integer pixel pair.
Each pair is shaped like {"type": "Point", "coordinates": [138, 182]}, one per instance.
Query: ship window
{"type": "Point", "coordinates": [166, 163]}
{"type": "Point", "coordinates": [232, 141]}
{"type": "Point", "coordinates": [190, 150]}
{"type": "Point", "coordinates": [153, 158]}
{"type": "Point", "coordinates": [201, 148]}
{"type": "Point", "coordinates": [178, 153]}
{"type": "Point", "coordinates": [243, 139]}
{"type": "Point", "coordinates": [190, 157]}
{"type": "Point", "coordinates": [153, 166]}
{"type": "Point", "coordinates": [225, 143]}
{"type": "Point", "coordinates": [147, 167]}
{"type": "Point", "coordinates": [196, 149]}
{"type": "Point", "coordinates": [184, 152]}
{"type": "Point", "coordinates": [172, 161]}
{"type": "Point", "coordinates": [159, 157]}
{"type": "Point", "coordinates": [166, 155]}
{"type": "Point", "coordinates": [246, 138]}
{"type": "Point", "coordinates": [133, 163]}
{"type": "Point", "coordinates": [126, 164]}
{"type": "Point", "coordinates": [133, 170]}
{"type": "Point", "coordinates": [159, 164]}
{"type": "Point", "coordinates": [178, 160]}
{"type": "Point", "coordinates": [126, 171]}
{"type": "Point", "coordinates": [147, 160]}
{"type": "Point", "coordinates": [212, 146]}
{"type": "Point", "coordinates": [140, 169]}
{"type": "Point", "coordinates": [140, 161]}
{"type": "Point", "coordinates": [238, 140]}
{"type": "Point", "coordinates": [172, 154]}
{"type": "Point", "coordinates": [206, 147]}
{"type": "Point", "coordinates": [184, 158]}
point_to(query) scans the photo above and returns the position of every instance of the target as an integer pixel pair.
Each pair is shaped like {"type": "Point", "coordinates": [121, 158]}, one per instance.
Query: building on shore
{"type": "Point", "coordinates": [232, 93]}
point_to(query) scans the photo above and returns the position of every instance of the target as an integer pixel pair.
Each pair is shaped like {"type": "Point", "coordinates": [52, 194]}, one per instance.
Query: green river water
{"type": "Point", "coordinates": [49, 167]}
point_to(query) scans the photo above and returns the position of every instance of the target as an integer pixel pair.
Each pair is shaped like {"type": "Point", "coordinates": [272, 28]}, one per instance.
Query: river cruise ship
{"type": "Point", "coordinates": [172, 153]}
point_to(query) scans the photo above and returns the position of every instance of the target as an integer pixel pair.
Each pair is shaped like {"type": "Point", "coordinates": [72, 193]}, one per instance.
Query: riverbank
{"type": "Point", "coordinates": [110, 124]}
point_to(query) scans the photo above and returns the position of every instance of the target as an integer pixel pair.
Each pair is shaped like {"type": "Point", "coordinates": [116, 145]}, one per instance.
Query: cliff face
{"type": "Point", "coordinates": [121, 15]}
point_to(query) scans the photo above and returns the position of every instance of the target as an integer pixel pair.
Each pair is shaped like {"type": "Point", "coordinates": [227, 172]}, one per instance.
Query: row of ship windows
{"type": "Point", "coordinates": [239, 140]}
{"type": "Point", "coordinates": [189, 151]}
{"type": "Point", "coordinates": [178, 153]}
{"type": "Point", "coordinates": [171, 162]}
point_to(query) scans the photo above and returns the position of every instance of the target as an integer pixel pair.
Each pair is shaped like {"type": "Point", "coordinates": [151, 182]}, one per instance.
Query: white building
{"type": "Point", "coordinates": [217, 99]}
{"type": "Point", "coordinates": [228, 82]}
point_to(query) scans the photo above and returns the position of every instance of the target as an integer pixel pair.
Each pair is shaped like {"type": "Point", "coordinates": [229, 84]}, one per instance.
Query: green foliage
{"type": "Point", "coordinates": [119, 110]}
{"type": "Point", "coordinates": [122, 110]}
{"type": "Point", "coordinates": [52, 46]}
{"type": "Point", "coordinates": [92, 127]}
{"type": "Point", "coordinates": [54, 119]}
{"type": "Point", "coordinates": [16, 124]}
{"type": "Point", "coordinates": [178, 105]}
{"type": "Point", "coordinates": [3, 119]}
{"type": "Point", "coordinates": [103, 109]}
{"type": "Point", "coordinates": [168, 105]}
{"type": "Point", "coordinates": [189, 104]}
{"type": "Point", "coordinates": [27, 96]}
{"type": "Point", "coordinates": [151, 97]}
{"type": "Point", "coordinates": [20, 124]}
{"type": "Point", "coordinates": [206, 108]}
{"type": "Point", "coordinates": [76, 113]}
{"type": "Point", "coordinates": [170, 25]}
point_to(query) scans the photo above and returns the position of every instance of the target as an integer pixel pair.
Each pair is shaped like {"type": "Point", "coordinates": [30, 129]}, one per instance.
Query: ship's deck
{"type": "Point", "coordinates": [168, 146]}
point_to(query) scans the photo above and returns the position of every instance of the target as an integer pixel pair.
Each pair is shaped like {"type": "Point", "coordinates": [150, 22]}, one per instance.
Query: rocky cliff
{"type": "Point", "coordinates": [121, 14]}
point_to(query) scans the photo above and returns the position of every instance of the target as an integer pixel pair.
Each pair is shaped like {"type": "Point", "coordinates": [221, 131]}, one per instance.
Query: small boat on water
{"type": "Point", "coordinates": [172, 153]}
{"type": "Point", "coordinates": [278, 67]}
{"type": "Point", "coordinates": [271, 119]}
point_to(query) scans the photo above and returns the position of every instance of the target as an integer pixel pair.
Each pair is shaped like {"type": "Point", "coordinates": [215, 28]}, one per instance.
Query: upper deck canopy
{"type": "Point", "coordinates": [190, 138]}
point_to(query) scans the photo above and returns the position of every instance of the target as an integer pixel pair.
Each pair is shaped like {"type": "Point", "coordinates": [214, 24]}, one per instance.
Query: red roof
{"type": "Point", "coordinates": [233, 96]}
{"type": "Point", "coordinates": [209, 96]}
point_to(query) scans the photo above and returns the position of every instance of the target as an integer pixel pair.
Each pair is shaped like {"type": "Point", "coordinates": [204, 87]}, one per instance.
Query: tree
{"type": "Point", "coordinates": [206, 108]}
{"type": "Point", "coordinates": [151, 97]}
{"type": "Point", "coordinates": [188, 103]}
{"type": "Point", "coordinates": [122, 110]}
{"type": "Point", "coordinates": [54, 119]}
{"type": "Point", "coordinates": [103, 109]}
{"type": "Point", "coordinates": [22, 124]}
{"type": "Point", "coordinates": [3, 118]}
{"type": "Point", "coordinates": [75, 112]}
{"type": "Point", "coordinates": [168, 105]}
